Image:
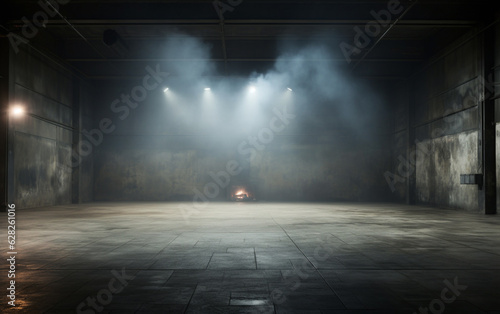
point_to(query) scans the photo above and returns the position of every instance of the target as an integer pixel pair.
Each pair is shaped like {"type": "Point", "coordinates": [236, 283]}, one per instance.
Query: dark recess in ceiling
{"type": "Point", "coordinates": [249, 36]}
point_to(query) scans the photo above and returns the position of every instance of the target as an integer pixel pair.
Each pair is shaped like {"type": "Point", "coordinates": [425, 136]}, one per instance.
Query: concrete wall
{"type": "Point", "coordinates": [164, 171]}
{"type": "Point", "coordinates": [493, 86]}
{"type": "Point", "coordinates": [315, 172]}
{"type": "Point", "coordinates": [41, 145]}
{"type": "Point", "coordinates": [159, 154]}
{"type": "Point", "coordinates": [82, 172]}
{"type": "Point", "coordinates": [439, 169]}
{"type": "Point", "coordinates": [397, 177]}
{"type": "Point", "coordinates": [442, 116]}
{"type": "Point", "coordinates": [446, 97]}
{"type": "Point", "coordinates": [320, 170]}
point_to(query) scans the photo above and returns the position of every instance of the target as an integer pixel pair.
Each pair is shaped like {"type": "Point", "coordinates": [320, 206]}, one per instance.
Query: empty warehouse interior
{"type": "Point", "coordinates": [250, 156]}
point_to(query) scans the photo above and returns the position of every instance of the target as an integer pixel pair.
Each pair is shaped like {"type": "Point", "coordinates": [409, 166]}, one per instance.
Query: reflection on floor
{"type": "Point", "coordinates": [254, 258]}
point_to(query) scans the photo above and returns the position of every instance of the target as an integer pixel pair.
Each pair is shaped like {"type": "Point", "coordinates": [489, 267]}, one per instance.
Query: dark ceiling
{"type": "Point", "coordinates": [249, 35]}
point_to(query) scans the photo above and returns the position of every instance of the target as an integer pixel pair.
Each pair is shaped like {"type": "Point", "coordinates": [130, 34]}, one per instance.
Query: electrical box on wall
{"type": "Point", "coordinates": [471, 179]}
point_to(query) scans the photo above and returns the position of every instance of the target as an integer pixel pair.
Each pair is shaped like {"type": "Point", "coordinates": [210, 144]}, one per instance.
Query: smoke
{"type": "Point", "coordinates": [330, 104]}
{"type": "Point", "coordinates": [190, 57]}
{"type": "Point", "coordinates": [206, 117]}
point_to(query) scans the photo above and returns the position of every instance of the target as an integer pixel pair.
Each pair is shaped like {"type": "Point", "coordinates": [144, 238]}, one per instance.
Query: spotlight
{"type": "Point", "coordinates": [207, 88]}
{"type": "Point", "coordinates": [252, 89]}
{"type": "Point", "coordinates": [17, 111]}
{"type": "Point", "coordinates": [290, 89]}
{"type": "Point", "coordinates": [166, 89]}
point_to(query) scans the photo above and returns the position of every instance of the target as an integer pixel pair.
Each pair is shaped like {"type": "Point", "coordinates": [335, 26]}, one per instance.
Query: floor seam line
{"type": "Point", "coordinates": [315, 268]}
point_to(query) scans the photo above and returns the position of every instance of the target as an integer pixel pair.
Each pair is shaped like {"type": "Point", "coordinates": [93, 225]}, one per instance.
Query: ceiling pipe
{"type": "Point", "coordinates": [70, 25]}
{"type": "Point", "coordinates": [223, 37]}
{"type": "Point", "coordinates": [384, 34]}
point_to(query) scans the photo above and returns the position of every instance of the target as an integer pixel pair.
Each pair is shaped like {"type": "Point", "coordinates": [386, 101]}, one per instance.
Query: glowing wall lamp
{"type": "Point", "coordinates": [17, 111]}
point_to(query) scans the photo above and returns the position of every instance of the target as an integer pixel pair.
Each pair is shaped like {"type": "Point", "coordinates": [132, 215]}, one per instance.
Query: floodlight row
{"type": "Point", "coordinates": [251, 89]}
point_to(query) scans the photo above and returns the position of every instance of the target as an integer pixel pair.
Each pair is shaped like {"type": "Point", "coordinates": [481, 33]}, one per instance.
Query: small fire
{"type": "Point", "coordinates": [241, 194]}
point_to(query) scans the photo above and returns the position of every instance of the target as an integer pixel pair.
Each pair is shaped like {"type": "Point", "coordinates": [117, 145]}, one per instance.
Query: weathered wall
{"type": "Point", "coordinates": [439, 168]}
{"type": "Point", "coordinates": [165, 152]}
{"type": "Point", "coordinates": [443, 119]}
{"type": "Point", "coordinates": [165, 171]}
{"type": "Point", "coordinates": [87, 166]}
{"type": "Point", "coordinates": [397, 178]}
{"type": "Point", "coordinates": [314, 172]}
{"type": "Point", "coordinates": [41, 142]}
{"type": "Point", "coordinates": [447, 95]}
{"type": "Point", "coordinates": [83, 172]}
{"type": "Point", "coordinates": [493, 87]}
{"type": "Point", "coordinates": [320, 170]}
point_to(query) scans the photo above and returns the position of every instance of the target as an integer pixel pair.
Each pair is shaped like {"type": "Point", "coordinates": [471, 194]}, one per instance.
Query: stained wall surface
{"type": "Point", "coordinates": [41, 140]}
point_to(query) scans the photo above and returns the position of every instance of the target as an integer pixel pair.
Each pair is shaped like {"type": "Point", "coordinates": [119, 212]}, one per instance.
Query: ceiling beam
{"type": "Point", "coordinates": [236, 60]}
{"type": "Point", "coordinates": [98, 22]}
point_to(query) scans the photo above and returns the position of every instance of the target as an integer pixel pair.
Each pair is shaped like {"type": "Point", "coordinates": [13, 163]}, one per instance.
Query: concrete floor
{"type": "Point", "coordinates": [254, 258]}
